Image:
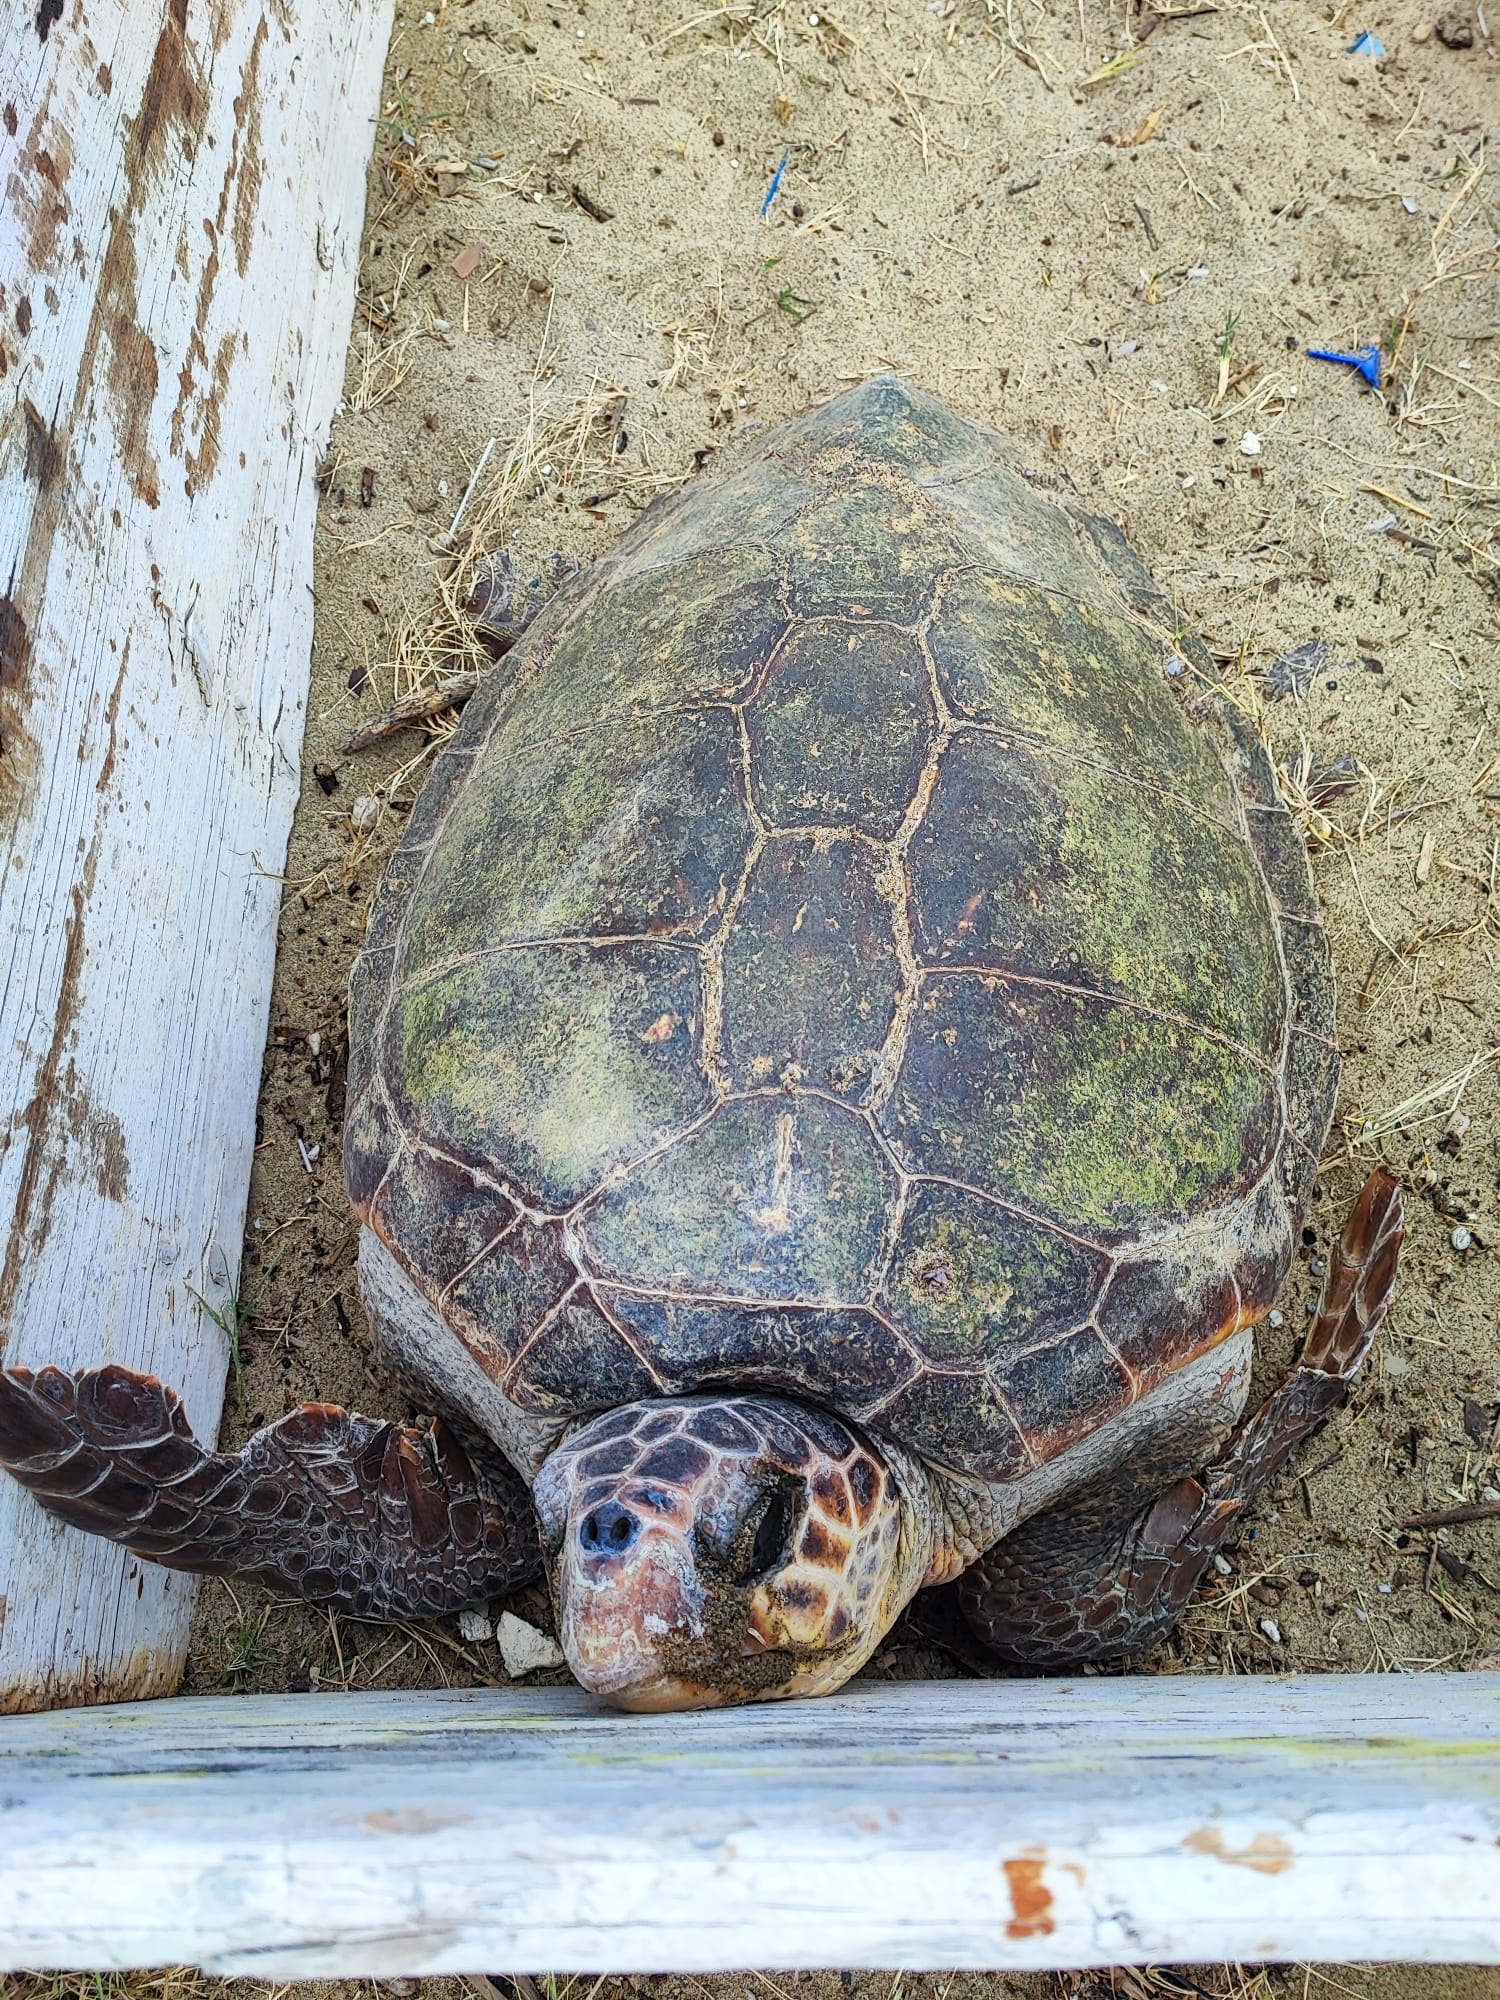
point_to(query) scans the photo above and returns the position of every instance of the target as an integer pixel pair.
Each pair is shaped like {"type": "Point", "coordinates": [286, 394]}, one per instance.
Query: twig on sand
{"type": "Point", "coordinates": [410, 710]}
{"type": "Point", "coordinates": [1456, 1517]}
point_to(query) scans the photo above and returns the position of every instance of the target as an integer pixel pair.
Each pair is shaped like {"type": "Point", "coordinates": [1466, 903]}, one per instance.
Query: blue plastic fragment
{"type": "Point", "coordinates": [1365, 359]}
{"type": "Point", "coordinates": [775, 183]}
{"type": "Point", "coordinates": [1365, 44]}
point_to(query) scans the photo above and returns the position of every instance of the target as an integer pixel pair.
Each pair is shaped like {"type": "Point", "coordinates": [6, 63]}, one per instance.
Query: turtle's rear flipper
{"type": "Point", "coordinates": [340, 1509]}
{"type": "Point", "coordinates": [1100, 1575]}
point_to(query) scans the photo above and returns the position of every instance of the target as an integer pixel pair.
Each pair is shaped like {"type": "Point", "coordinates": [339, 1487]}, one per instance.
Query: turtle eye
{"type": "Point", "coordinates": [772, 1532]}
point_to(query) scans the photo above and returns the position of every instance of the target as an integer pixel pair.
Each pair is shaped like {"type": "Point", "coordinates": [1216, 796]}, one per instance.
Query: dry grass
{"type": "Point", "coordinates": [432, 640]}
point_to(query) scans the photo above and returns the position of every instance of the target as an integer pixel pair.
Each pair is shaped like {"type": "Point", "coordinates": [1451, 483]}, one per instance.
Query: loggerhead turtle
{"type": "Point", "coordinates": [837, 1069]}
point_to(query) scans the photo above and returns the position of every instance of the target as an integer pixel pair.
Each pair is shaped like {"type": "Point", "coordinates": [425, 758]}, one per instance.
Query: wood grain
{"type": "Point", "coordinates": [185, 194]}
{"type": "Point", "coordinates": [994, 1824]}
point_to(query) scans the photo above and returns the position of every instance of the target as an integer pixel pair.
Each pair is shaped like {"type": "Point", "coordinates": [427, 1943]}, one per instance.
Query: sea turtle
{"type": "Point", "coordinates": [836, 1074]}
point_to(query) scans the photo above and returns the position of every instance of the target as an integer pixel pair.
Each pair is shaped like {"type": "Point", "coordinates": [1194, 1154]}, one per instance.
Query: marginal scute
{"type": "Point", "coordinates": [777, 1197]}
{"type": "Point", "coordinates": [1312, 1085]}
{"type": "Point", "coordinates": [1047, 868]}
{"type": "Point", "coordinates": [637, 830]}
{"type": "Point", "coordinates": [1139, 588]}
{"type": "Point", "coordinates": [811, 974]}
{"type": "Point", "coordinates": [1260, 1245]}
{"type": "Point", "coordinates": [844, 1357]}
{"type": "Point", "coordinates": [969, 1281]}
{"type": "Point", "coordinates": [841, 730]}
{"type": "Point", "coordinates": [558, 1062]}
{"type": "Point", "coordinates": [1101, 1118]}
{"type": "Point", "coordinates": [444, 784]}
{"type": "Point", "coordinates": [371, 1134]}
{"type": "Point", "coordinates": [579, 1363]}
{"type": "Point", "coordinates": [1077, 677]}
{"type": "Point", "coordinates": [955, 1419]}
{"type": "Point", "coordinates": [1245, 755]}
{"type": "Point", "coordinates": [1282, 853]}
{"type": "Point", "coordinates": [507, 1294]}
{"type": "Point", "coordinates": [1060, 1392]}
{"type": "Point", "coordinates": [1166, 1304]}
{"type": "Point", "coordinates": [437, 1205]}
{"type": "Point", "coordinates": [1314, 1007]}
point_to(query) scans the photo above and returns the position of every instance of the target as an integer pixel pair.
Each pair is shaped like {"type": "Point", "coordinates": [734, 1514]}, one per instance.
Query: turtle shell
{"type": "Point", "coordinates": [852, 948]}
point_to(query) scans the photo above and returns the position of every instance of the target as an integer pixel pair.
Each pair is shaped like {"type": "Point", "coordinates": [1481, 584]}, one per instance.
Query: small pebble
{"type": "Point", "coordinates": [1422, 32]}
{"type": "Point", "coordinates": [1223, 1566]}
{"type": "Point", "coordinates": [474, 1626]}
{"type": "Point", "coordinates": [1461, 1239]}
{"type": "Point", "coordinates": [1250, 444]}
{"type": "Point", "coordinates": [1278, 1319]}
{"type": "Point", "coordinates": [1384, 1589]}
{"type": "Point", "coordinates": [364, 814]}
{"type": "Point", "coordinates": [523, 1648]}
{"type": "Point", "coordinates": [1489, 1492]}
{"type": "Point", "coordinates": [1395, 1364]}
{"type": "Point", "coordinates": [1317, 1267]}
{"type": "Point", "coordinates": [1272, 1630]}
{"type": "Point", "coordinates": [1456, 31]}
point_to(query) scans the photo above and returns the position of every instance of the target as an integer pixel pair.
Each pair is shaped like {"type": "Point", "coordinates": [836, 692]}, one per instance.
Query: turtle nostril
{"type": "Point", "coordinates": [608, 1530]}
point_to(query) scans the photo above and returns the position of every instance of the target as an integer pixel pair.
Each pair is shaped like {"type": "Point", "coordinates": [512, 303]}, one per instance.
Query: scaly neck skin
{"type": "Point", "coordinates": [924, 1553]}
{"type": "Point", "coordinates": [947, 1522]}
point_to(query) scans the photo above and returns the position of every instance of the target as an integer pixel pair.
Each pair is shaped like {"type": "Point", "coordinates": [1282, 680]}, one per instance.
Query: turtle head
{"type": "Point", "coordinates": [725, 1548]}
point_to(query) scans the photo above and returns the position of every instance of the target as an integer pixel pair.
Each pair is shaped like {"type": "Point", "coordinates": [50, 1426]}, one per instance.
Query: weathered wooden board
{"type": "Point", "coordinates": [182, 192]}
{"type": "Point", "coordinates": [1009, 1823]}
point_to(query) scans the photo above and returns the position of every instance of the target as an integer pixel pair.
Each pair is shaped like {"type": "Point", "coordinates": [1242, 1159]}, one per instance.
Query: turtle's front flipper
{"type": "Point", "coordinates": [1099, 1575]}
{"type": "Point", "coordinates": [340, 1509]}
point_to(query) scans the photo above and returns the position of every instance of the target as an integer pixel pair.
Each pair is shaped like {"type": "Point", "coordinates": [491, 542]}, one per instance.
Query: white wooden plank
{"type": "Point", "coordinates": [184, 193]}
{"type": "Point", "coordinates": [996, 1824]}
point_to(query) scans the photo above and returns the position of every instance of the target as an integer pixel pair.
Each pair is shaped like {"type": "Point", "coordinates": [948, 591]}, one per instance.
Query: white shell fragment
{"type": "Point", "coordinates": [523, 1648]}
{"type": "Point", "coordinates": [1461, 1239]}
{"type": "Point", "coordinates": [1250, 444]}
{"type": "Point", "coordinates": [475, 1627]}
{"type": "Point", "coordinates": [1272, 1630]}
{"type": "Point", "coordinates": [364, 814]}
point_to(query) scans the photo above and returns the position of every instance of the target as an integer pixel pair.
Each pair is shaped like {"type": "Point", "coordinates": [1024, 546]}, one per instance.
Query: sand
{"type": "Point", "coordinates": [1114, 236]}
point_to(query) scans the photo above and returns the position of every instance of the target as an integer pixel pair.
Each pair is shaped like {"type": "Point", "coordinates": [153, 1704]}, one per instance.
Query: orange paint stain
{"type": "Point", "coordinates": [1267, 1853]}
{"type": "Point", "coordinates": [1030, 1898]}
